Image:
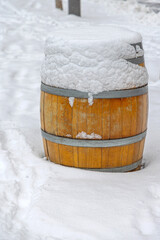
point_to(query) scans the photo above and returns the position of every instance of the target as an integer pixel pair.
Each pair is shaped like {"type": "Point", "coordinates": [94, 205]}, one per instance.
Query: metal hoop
{"type": "Point", "coordinates": [93, 143]}
{"type": "Point", "coordinates": [106, 94]}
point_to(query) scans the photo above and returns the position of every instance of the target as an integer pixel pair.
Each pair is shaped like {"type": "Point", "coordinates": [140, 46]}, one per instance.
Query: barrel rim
{"type": "Point", "coordinates": [92, 142]}
{"type": "Point", "coordinates": [125, 93]}
{"type": "Point", "coordinates": [138, 60]}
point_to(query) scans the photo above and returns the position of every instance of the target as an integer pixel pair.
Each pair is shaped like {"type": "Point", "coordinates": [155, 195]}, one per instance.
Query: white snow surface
{"type": "Point", "coordinates": [71, 101]}
{"type": "Point", "coordinates": [97, 34]}
{"type": "Point", "coordinates": [40, 200]}
{"type": "Point", "coordinates": [90, 99]}
{"type": "Point", "coordinates": [84, 135]}
{"type": "Point", "coordinates": [93, 59]}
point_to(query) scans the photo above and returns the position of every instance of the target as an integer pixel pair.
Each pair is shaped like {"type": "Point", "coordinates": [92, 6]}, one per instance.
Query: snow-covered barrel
{"type": "Point", "coordinates": [94, 100]}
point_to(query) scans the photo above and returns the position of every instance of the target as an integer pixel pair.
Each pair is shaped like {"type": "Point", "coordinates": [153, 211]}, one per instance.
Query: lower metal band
{"type": "Point", "coordinates": [117, 169]}
{"type": "Point", "coordinates": [106, 94]}
{"type": "Point", "coordinates": [92, 143]}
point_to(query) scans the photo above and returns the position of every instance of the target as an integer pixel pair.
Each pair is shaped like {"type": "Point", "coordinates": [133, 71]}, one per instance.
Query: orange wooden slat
{"type": "Point", "coordinates": [82, 115]}
{"type": "Point", "coordinates": [133, 129]}
{"type": "Point", "coordinates": [145, 112]}
{"type": "Point", "coordinates": [105, 157]}
{"type": "Point", "coordinates": [41, 110]}
{"type": "Point", "coordinates": [64, 117]}
{"type": "Point", "coordinates": [139, 114]}
{"type": "Point", "coordinates": [43, 123]}
{"type": "Point", "coordinates": [106, 118]}
{"type": "Point", "coordinates": [115, 119]}
{"type": "Point", "coordinates": [66, 155]}
{"type": "Point", "coordinates": [126, 108]}
{"type": "Point", "coordinates": [130, 154]}
{"type": "Point", "coordinates": [136, 152]}
{"type": "Point", "coordinates": [75, 132]}
{"type": "Point", "coordinates": [124, 155]}
{"type": "Point", "coordinates": [114, 156]}
{"type": "Point", "coordinates": [141, 148]}
{"type": "Point", "coordinates": [53, 150]}
{"type": "Point", "coordinates": [94, 125]}
{"type": "Point", "coordinates": [50, 113]}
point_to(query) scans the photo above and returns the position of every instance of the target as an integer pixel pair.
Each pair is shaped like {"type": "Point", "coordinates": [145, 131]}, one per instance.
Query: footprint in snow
{"type": "Point", "coordinates": [154, 190]}
{"type": "Point", "coordinates": [145, 222]}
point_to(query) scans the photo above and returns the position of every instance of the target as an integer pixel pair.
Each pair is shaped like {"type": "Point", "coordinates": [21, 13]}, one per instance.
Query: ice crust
{"type": "Point", "coordinates": [93, 59]}
{"type": "Point", "coordinates": [71, 101]}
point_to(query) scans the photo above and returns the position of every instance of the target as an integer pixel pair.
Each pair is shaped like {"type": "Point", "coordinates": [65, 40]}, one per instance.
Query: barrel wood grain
{"type": "Point", "coordinates": [115, 118]}
{"type": "Point", "coordinates": [110, 118]}
{"type": "Point", "coordinates": [75, 132]}
{"type": "Point", "coordinates": [126, 112]}
{"type": "Point", "coordinates": [145, 112]}
{"type": "Point", "coordinates": [115, 157]}
{"type": "Point", "coordinates": [81, 125]}
{"type": "Point", "coordinates": [94, 124]}
{"type": "Point", "coordinates": [42, 107]}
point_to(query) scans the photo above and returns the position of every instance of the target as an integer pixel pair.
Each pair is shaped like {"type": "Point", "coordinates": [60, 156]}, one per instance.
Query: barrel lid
{"type": "Point", "coordinates": [97, 33]}
{"type": "Point", "coordinates": [94, 59]}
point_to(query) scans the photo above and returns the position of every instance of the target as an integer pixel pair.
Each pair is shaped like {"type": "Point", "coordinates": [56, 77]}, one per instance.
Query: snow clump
{"type": "Point", "coordinates": [93, 59]}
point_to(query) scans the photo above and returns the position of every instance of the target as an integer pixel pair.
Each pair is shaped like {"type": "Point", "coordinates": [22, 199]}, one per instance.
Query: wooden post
{"type": "Point", "coordinates": [74, 7]}
{"type": "Point", "coordinates": [59, 4]}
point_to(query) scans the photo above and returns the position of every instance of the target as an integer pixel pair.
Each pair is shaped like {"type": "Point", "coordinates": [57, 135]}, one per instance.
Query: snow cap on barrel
{"type": "Point", "coordinates": [94, 59]}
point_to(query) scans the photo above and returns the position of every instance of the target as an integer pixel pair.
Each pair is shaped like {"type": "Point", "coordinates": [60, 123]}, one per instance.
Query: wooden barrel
{"type": "Point", "coordinates": [117, 121]}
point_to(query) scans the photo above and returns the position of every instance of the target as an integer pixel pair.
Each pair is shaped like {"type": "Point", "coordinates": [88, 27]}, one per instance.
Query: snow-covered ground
{"type": "Point", "coordinates": [43, 201]}
{"type": "Point", "coordinates": [152, 4]}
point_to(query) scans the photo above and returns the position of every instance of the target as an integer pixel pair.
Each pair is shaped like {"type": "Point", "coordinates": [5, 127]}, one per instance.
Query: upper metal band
{"type": "Point", "coordinates": [92, 143]}
{"type": "Point", "coordinates": [137, 60]}
{"type": "Point", "coordinates": [106, 94]}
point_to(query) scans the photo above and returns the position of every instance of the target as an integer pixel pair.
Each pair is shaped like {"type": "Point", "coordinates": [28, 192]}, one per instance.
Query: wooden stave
{"type": "Point", "coordinates": [100, 118]}
{"type": "Point", "coordinates": [95, 158]}
{"type": "Point", "coordinates": [69, 156]}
